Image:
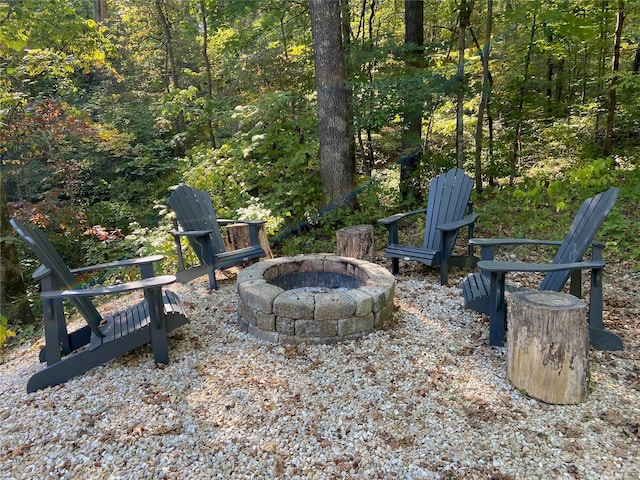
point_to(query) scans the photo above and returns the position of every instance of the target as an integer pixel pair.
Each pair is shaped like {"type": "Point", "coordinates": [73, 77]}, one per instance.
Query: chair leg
{"type": "Point", "coordinates": [444, 272]}
{"type": "Point", "coordinates": [498, 311]}
{"type": "Point", "coordinates": [395, 266]}
{"type": "Point", "coordinates": [598, 336]}
{"type": "Point", "coordinates": [213, 283]}
{"type": "Point", "coordinates": [158, 326]}
{"type": "Point", "coordinates": [74, 365]}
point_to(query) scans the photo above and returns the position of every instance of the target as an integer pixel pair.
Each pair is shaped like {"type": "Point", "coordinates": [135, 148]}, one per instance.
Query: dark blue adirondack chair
{"type": "Point", "coordinates": [103, 338]}
{"type": "Point", "coordinates": [448, 210]}
{"type": "Point", "coordinates": [197, 221]}
{"type": "Point", "coordinates": [484, 291]}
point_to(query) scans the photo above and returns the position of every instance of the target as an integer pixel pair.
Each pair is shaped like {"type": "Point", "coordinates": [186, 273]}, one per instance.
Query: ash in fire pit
{"type": "Point", "coordinates": [314, 298]}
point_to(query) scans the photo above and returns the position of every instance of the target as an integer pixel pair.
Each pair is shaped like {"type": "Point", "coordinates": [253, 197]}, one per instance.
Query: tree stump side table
{"type": "Point", "coordinates": [237, 236]}
{"type": "Point", "coordinates": [356, 242]}
{"type": "Point", "coordinates": [548, 346]}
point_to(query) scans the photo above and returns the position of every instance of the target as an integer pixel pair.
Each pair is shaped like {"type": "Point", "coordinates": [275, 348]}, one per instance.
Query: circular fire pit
{"type": "Point", "coordinates": [314, 298]}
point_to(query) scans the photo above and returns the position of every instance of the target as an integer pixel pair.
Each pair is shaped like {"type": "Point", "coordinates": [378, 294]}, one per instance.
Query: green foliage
{"type": "Point", "coordinates": [318, 234]}
{"type": "Point", "coordinates": [548, 187]}
{"type": "Point", "coordinates": [543, 205]}
{"type": "Point", "coordinates": [5, 331]}
{"type": "Point", "coordinates": [269, 161]}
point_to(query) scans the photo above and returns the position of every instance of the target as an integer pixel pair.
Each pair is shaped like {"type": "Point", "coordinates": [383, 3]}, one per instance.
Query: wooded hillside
{"type": "Point", "coordinates": [107, 104]}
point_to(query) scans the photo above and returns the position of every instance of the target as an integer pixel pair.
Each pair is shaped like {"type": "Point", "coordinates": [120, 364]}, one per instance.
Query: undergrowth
{"type": "Point", "coordinates": [541, 206]}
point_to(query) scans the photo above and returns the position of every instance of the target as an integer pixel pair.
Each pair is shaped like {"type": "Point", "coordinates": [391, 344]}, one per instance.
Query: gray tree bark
{"type": "Point", "coordinates": [99, 10]}
{"type": "Point", "coordinates": [336, 165]}
{"type": "Point", "coordinates": [615, 67]}
{"type": "Point", "coordinates": [412, 121]}
{"type": "Point", "coordinates": [484, 98]}
{"type": "Point", "coordinates": [464, 20]}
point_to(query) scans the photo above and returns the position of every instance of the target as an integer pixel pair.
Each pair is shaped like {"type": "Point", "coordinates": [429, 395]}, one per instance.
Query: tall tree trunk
{"type": "Point", "coordinates": [207, 64]}
{"type": "Point", "coordinates": [14, 304]}
{"type": "Point", "coordinates": [464, 20]}
{"type": "Point", "coordinates": [345, 13]}
{"type": "Point", "coordinates": [99, 10]}
{"type": "Point", "coordinates": [412, 121]}
{"type": "Point", "coordinates": [559, 86]}
{"type": "Point", "coordinates": [615, 67]}
{"type": "Point", "coordinates": [603, 31]}
{"type": "Point", "coordinates": [484, 96]}
{"type": "Point", "coordinates": [515, 154]}
{"type": "Point", "coordinates": [336, 167]}
{"type": "Point", "coordinates": [167, 34]}
{"type": "Point", "coordinates": [173, 72]}
{"type": "Point", "coordinates": [550, 69]}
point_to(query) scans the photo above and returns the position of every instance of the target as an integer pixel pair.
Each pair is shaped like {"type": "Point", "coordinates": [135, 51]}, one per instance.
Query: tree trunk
{"type": "Point", "coordinates": [515, 154]}
{"type": "Point", "coordinates": [345, 13]}
{"type": "Point", "coordinates": [173, 72]}
{"type": "Point", "coordinates": [412, 121]}
{"type": "Point", "coordinates": [99, 10]}
{"type": "Point", "coordinates": [464, 19]}
{"type": "Point", "coordinates": [603, 31]}
{"type": "Point", "coordinates": [615, 67]}
{"type": "Point", "coordinates": [14, 304]}
{"type": "Point", "coordinates": [484, 96]}
{"type": "Point", "coordinates": [336, 167]}
{"type": "Point", "coordinates": [207, 64]}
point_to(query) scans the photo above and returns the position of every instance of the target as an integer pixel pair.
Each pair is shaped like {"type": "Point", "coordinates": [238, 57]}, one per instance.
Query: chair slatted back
{"type": "Point", "coordinates": [51, 259]}
{"type": "Point", "coordinates": [448, 200]}
{"type": "Point", "coordinates": [194, 211]}
{"type": "Point", "coordinates": [584, 227]}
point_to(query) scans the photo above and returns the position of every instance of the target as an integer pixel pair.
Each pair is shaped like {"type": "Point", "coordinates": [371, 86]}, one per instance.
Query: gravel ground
{"type": "Point", "coordinates": [425, 398]}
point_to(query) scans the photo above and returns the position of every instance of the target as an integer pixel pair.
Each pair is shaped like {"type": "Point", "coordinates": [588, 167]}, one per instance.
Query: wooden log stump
{"type": "Point", "coordinates": [356, 242]}
{"type": "Point", "coordinates": [237, 236]}
{"type": "Point", "coordinates": [548, 346]}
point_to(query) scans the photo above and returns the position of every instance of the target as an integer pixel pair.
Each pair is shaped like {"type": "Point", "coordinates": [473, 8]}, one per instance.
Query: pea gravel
{"type": "Point", "coordinates": [424, 398]}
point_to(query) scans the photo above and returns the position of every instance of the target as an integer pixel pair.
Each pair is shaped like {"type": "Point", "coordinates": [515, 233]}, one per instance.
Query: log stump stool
{"type": "Point", "coordinates": [356, 242]}
{"type": "Point", "coordinates": [548, 346]}
{"type": "Point", "coordinates": [237, 236]}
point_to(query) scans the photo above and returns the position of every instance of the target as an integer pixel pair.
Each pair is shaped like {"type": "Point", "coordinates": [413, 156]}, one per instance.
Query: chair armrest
{"type": "Point", "coordinates": [121, 263]}
{"type": "Point", "coordinates": [488, 242]}
{"type": "Point", "coordinates": [147, 283]}
{"type": "Point", "coordinates": [452, 226]}
{"type": "Point", "coordinates": [506, 267]}
{"type": "Point", "coordinates": [226, 221]}
{"type": "Point", "coordinates": [399, 216]}
{"type": "Point", "coordinates": [190, 233]}
{"type": "Point", "coordinates": [40, 273]}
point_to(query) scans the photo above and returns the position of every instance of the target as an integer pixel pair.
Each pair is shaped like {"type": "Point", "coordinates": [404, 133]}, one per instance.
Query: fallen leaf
{"type": "Point", "coordinates": [20, 450]}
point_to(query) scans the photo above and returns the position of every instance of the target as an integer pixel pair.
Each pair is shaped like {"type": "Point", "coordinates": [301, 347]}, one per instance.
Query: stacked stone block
{"type": "Point", "coordinates": [308, 315]}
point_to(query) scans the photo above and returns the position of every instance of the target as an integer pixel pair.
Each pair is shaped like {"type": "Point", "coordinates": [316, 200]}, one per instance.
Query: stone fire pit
{"type": "Point", "coordinates": [319, 298]}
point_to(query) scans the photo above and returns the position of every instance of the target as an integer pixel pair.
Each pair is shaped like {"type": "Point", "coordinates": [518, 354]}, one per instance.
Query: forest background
{"type": "Point", "coordinates": [105, 105]}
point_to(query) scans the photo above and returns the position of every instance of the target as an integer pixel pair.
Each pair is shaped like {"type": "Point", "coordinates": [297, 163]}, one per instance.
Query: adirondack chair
{"type": "Point", "coordinates": [71, 353]}
{"type": "Point", "coordinates": [448, 210]}
{"type": "Point", "coordinates": [484, 291]}
{"type": "Point", "coordinates": [196, 220]}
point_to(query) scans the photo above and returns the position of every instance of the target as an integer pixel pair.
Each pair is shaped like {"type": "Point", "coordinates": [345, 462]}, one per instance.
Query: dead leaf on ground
{"type": "Point", "coordinates": [19, 450]}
